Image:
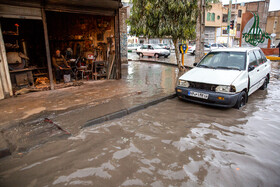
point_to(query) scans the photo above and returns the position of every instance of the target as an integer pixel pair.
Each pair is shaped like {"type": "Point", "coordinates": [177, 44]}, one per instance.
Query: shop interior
{"type": "Point", "coordinates": [25, 50]}
{"type": "Point", "coordinates": [85, 41]}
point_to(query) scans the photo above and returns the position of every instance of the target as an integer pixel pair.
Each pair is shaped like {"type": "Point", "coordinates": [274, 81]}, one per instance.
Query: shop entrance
{"type": "Point", "coordinates": [25, 50]}
{"type": "Point", "coordinates": [86, 42]}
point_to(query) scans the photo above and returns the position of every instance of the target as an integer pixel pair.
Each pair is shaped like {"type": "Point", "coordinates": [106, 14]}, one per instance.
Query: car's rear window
{"type": "Point", "coordinates": [224, 60]}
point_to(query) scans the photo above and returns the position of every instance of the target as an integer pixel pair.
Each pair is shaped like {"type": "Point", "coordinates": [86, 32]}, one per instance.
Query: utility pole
{"type": "Point", "coordinates": [228, 21]}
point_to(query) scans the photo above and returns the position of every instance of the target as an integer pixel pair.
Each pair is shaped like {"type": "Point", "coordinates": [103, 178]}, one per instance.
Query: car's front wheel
{"type": "Point", "coordinates": [141, 55]}
{"type": "Point", "coordinates": [156, 55]}
{"type": "Point", "coordinates": [241, 101]}
{"type": "Point", "coordinates": [166, 56]}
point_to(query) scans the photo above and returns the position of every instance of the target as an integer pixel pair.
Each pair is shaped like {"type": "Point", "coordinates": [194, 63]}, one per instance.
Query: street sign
{"type": "Point", "coordinates": [183, 48]}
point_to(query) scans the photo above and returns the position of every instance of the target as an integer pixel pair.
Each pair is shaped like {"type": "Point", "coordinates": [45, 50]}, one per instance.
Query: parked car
{"type": "Point", "coordinates": [192, 49]}
{"type": "Point", "coordinates": [216, 46]}
{"type": "Point", "coordinates": [152, 50]}
{"type": "Point", "coordinates": [243, 45]}
{"type": "Point", "coordinates": [225, 77]}
{"type": "Point", "coordinates": [207, 47]}
{"type": "Point", "coordinates": [165, 46]}
{"type": "Point", "coordinates": [132, 47]}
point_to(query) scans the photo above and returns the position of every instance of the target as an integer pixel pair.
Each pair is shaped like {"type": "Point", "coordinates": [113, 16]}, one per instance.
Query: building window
{"type": "Point", "coordinates": [225, 17]}
{"type": "Point", "coordinates": [239, 13]}
{"type": "Point", "coordinates": [218, 17]}
{"type": "Point", "coordinates": [213, 17]}
{"type": "Point", "coordinates": [208, 16]}
{"type": "Point", "coordinates": [238, 27]}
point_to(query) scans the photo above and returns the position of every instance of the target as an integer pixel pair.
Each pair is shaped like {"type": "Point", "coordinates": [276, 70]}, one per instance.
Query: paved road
{"type": "Point", "coordinates": [173, 143]}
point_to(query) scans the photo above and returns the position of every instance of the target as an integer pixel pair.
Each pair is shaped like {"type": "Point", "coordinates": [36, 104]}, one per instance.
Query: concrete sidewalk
{"type": "Point", "coordinates": [72, 108]}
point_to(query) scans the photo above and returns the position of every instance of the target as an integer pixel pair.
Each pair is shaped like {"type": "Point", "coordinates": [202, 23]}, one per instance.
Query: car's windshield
{"type": "Point", "coordinates": [224, 60]}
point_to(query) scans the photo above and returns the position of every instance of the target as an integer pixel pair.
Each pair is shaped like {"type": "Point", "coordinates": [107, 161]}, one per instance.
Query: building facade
{"type": "Point", "coordinates": [216, 20]}
{"type": "Point", "coordinates": [261, 8]}
{"type": "Point", "coordinates": [273, 26]}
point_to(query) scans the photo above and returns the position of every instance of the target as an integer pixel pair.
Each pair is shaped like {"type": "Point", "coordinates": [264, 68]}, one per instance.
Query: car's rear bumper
{"type": "Point", "coordinates": [214, 98]}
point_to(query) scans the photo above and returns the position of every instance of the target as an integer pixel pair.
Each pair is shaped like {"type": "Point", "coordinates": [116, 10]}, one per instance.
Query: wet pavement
{"type": "Point", "coordinates": [23, 124]}
{"type": "Point", "coordinates": [171, 60]}
{"type": "Point", "coordinates": [174, 143]}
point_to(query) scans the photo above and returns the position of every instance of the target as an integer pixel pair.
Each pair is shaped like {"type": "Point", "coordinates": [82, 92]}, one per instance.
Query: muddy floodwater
{"type": "Point", "coordinates": [174, 143]}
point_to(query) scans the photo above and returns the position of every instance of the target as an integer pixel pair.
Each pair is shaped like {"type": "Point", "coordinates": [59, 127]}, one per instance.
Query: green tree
{"type": "Point", "coordinates": [164, 18]}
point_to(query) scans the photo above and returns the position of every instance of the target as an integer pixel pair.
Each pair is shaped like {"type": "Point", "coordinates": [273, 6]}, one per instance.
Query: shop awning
{"type": "Point", "coordinates": [30, 9]}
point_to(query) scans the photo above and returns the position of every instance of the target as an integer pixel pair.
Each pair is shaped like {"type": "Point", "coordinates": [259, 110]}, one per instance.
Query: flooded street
{"type": "Point", "coordinates": [174, 143]}
{"type": "Point", "coordinates": [188, 58]}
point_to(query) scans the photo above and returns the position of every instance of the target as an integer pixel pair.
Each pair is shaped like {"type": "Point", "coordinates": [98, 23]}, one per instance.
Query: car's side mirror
{"type": "Point", "coordinates": [251, 68]}
{"type": "Point", "coordinates": [195, 64]}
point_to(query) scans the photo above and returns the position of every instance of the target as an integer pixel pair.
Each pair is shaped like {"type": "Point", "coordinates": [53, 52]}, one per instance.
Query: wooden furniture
{"type": "Point", "coordinates": [23, 77]}
{"type": "Point", "coordinates": [99, 69]}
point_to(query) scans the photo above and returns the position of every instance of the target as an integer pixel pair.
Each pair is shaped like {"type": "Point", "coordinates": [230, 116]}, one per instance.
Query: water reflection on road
{"type": "Point", "coordinates": [173, 143]}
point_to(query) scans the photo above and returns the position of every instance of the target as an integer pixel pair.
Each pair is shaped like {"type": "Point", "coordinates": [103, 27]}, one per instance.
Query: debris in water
{"type": "Point", "coordinates": [50, 121]}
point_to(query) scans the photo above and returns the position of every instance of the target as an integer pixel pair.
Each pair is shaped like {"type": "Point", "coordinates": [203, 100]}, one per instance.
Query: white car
{"type": "Point", "coordinates": [164, 46]}
{"type": "Point", "coordinates": [207, 47]}
{"type": "Point", "coordinates": [225, 77]}
{"type": "Point", "coordinates": [192, 49]}
{"type": "Point", "coordinates": [132, 47]}
{"type": "Point", "coordinates": [216, 46]}
{"type": "Point", "coordinates": [152, 50]}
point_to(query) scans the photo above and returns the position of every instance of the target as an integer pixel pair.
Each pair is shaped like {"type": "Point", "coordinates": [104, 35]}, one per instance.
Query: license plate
{"type": "Point", "coordinates": [198, 95]}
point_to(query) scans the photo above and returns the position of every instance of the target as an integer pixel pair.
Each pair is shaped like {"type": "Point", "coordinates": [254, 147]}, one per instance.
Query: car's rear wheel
{"type": "Point", "coordinates": [166, 56]}
{"type": "Point", "coordinates": [241, 101]}
{"type": "Point", "coordinates": [264, 86]}
{"type": "Point", "coordinates": [141, 55]}
{"type": "Point", "coordinates": [156, 55]}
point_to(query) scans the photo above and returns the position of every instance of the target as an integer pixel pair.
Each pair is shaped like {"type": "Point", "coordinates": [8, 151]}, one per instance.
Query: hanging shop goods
{"type": "Point", "coordinates": [86, 42]}
{"type": "Point", "coordinates": [85, 32]}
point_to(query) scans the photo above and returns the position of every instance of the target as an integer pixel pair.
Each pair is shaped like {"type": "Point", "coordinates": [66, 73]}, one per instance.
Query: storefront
{"type": "Point", "coordinates": [85, 32]}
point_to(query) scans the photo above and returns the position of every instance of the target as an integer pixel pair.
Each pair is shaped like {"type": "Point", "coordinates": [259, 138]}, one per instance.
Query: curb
{"type": "Point", "coordinates": [124, 112]}
{"type": "Point", "coordinates": [4, 152]}
{"type": "Point", "coordinates": [273, 58]}
{"type": "Point", "coordinates": [4, 148]}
